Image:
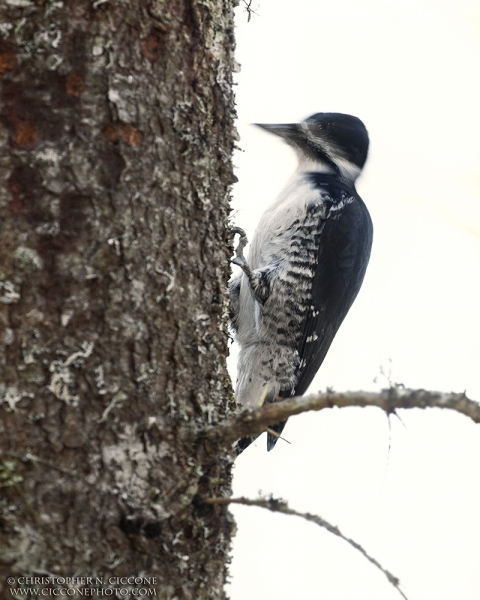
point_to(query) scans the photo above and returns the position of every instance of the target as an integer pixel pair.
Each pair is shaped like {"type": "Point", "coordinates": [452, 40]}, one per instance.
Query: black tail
{"type": "Point", "coordinates": [243, 443]}
{"type": "Point", "coordinates": [272, 439]}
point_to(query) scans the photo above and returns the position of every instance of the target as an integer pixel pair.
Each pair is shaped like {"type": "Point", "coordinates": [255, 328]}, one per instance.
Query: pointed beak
{"type": "Point", "coordinates": [286, 131]}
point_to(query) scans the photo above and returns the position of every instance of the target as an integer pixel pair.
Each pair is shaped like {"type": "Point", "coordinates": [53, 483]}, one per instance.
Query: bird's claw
{"type": "Point", "coordinates": [239, 258]}
{"type": "Point", "coordinates": [239, 230]}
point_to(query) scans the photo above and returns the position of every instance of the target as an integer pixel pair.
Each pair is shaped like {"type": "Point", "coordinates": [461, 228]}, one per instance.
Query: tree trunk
{"type": "Point", "coordinates": [115, 158]}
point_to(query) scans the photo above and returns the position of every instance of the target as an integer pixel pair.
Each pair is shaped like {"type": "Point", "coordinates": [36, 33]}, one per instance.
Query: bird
{"type": "Point", "coordinates": [306, 264]}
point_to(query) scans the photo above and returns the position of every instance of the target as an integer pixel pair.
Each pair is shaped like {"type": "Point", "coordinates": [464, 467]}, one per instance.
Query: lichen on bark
{"type": "Point", "coordinates": [116, 133]}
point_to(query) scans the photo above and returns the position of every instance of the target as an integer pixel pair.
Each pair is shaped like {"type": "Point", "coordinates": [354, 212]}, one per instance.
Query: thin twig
{"type": "Point", "coordinates": [275, 434]}
{"type": "Point", "coordinates": [249, 10]}
{"type": "Point", "coordinates": [252, 421]}
{"type": "Point", "coordinates": [279, 505]}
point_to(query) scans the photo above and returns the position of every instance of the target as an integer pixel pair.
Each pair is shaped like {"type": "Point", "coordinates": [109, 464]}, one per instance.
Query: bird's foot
{"type": "Point", "coordinates": [239, 258]}
{"type": "Point", "coordinates": [253, 277]}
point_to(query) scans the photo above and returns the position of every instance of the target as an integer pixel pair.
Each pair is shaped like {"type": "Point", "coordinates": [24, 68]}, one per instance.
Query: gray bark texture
{"type": "Point", "coordinates": [116, 134]}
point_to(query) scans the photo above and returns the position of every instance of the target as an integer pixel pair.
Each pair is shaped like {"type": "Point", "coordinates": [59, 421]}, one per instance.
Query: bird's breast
{"type": "Point", "coordinates": [288, 220]}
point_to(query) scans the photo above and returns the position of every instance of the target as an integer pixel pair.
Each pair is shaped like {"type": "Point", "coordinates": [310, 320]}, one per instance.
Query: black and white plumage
{"type": "Point", "coordinates": [306, 264]}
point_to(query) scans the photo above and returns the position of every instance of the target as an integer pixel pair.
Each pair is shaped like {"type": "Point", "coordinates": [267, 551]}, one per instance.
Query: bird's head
{"type": "Point", "coordinates": [333, 141]}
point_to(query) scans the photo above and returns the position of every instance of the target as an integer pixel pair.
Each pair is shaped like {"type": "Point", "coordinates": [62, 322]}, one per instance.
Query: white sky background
{"type": "Point", "coordinates": [410, 70]}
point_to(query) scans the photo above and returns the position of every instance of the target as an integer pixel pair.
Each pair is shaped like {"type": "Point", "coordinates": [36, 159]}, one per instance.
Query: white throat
{"type": "Point", "coordinates": [307, 163]}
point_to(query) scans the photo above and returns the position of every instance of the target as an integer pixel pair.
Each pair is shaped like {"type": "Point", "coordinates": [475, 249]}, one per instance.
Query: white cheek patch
{"type": "Point", "coordinates": [348, 170]}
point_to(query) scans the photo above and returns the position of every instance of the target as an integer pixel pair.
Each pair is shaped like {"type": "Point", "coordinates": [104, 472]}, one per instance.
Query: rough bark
{"type": "Point", "coordinates": [115, 142]}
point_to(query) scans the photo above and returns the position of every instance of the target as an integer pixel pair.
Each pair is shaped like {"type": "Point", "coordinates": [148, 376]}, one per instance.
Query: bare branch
{"type": "Point", "coordinates": [279, 505]}
{"type": "Point", "coordinates": [255, 421]}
